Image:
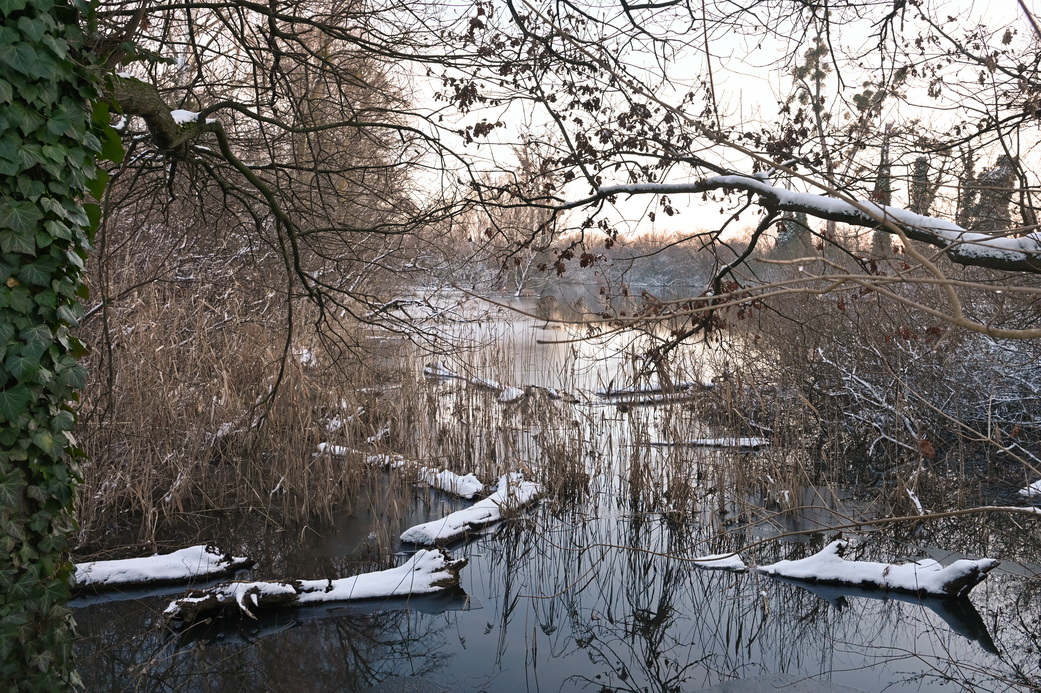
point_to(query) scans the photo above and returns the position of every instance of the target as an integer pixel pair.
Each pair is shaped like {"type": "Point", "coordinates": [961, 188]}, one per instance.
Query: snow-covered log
{"type": "Point", "coordinates": [741, 443]}
{"type": "Point", "coordinates": [512, 494]}
{"type": "Point", "coordinates": [161, 569]}
{"type": "Point", "coordinates": [923, 577]}
{"type": "Point", "coordinates": [425, 572]}
{"type": "Point", "coordinates": [507, 393]}
{"type": "Point", "coordinates": [462, 485]}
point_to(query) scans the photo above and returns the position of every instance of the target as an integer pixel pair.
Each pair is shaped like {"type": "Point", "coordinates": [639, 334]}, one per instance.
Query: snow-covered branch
{"type": "Point", "coordinates": [1021, 254]}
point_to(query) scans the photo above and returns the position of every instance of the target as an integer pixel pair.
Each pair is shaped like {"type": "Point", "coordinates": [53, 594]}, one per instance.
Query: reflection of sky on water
{"type": "Point", "coordinates": [590, 592]}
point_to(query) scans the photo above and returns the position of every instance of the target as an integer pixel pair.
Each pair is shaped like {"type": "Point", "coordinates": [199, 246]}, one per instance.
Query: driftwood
{"type": "Point", "coordinates": [426, 572]}
{"type": "Point", "coordinates": [738, 443]}
{"type": "Point", "coordinates": [923, 577]}
{"type": "Point", "coordinates": [512, 494]}
{"type": "Point", "coordinates": [196, 562]}
{"type": "Point", "coordinates": [465, 486]}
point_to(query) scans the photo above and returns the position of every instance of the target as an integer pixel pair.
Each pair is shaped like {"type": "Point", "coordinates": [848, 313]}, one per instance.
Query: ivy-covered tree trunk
{"type": "Point", "coordinates": [48, 150]}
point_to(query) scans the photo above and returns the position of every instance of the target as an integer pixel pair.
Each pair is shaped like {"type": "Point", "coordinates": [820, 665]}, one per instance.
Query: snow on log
{"type": "Point", "coordinates": [512, 494]}
{"type": "Point", "coordinates": [612, 392]}
{"type": "Point", "coordinates": [923, 577]}
{"type": "Point", "coordinates": [425, 572]}
{"type": "Point", "coordinates": [507, 394]}
{"type": "Point", "coordinates": [721, 561]}
{"type": "Point", "coordinates": [161, 569]}
{"type": "Point", "coordinates": [462, 485]}
{"type": "Point", "coordinates": [743, 443]}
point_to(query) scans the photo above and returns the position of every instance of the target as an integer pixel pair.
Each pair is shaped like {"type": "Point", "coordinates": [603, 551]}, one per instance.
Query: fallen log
{"type": "Point", "coordinates": [462, 485]}
{"type": "Point", "coordinates": [923, 577]}
{"type": "Point", "coordinates": [739, 443]}
{"type": "Point", "coordinates": [512, 494]}
{"type": "Point", "coordinates": [426, 572]}
{"type": "Point", "coordinates": [507, 393]}
{"type": "Point", "coordinates": [161, 569]}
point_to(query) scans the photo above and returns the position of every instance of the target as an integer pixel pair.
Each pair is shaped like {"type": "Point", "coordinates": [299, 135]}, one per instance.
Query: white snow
{"type": "Point", "coordinates": [511, 394]}
{"type": "Point", "coordinates": [511, 494]}
{"type": "Point", "coordinates": [925, 576]}
{"type": "Point", "coordinates": [183, 117]}
{"type": "Point", "coordinates": [424, 573]}
{"type": "Point", "coordinates": [1032, 490]}
{"type": "Point", "coordinates": [721, 561]}
{"type": "Point", "coordinates": [463, 486]}
{"type": "Point", "coordinates": [183, 565]}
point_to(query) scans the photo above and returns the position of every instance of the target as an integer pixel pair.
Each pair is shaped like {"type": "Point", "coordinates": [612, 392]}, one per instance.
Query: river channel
{"type": "Point", "coordinates": [592, 589]}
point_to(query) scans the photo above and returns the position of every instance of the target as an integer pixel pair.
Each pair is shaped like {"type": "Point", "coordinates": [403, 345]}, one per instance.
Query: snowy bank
{"type": "Point", "coordinates": [425, 572]}
{"type": "Point", "coordinates": [512, 494]}
{"type": "Point", "coordinates": [923, 577]}
{"type": "Point", "coordinates": [161, 569]}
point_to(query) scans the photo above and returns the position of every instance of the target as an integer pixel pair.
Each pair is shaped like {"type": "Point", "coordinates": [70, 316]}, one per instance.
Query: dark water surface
{"type": "Point", "coordinates": [591, 591]}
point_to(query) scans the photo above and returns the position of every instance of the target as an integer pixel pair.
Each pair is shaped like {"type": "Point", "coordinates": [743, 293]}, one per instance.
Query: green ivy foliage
{"type": "Point", "coordinates": [49, 145]}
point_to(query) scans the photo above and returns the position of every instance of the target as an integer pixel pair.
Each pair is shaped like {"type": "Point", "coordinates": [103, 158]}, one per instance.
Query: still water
{"type": "Point", "coordinates": [592, 590]}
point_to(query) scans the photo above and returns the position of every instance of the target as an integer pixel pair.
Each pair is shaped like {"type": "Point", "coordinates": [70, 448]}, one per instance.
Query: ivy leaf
{"type": "Point", "coordinates": [53, 445]}
{"type": "Point", "coordinates": [10, 492]}
{"type": "Point", "coordinates": [23, 366]}
{"type": "Point", "coordinates": [112, 148]}
{"type": "Point", "coordinates": [20, 57]}
{"type": "Point", "coordinates": [97, 185]}
{"type": "Point", "coordinates": [20, 217]}
{"type": "Point", "coordinates": [64, 421]}
{"type": "Point", "coordinates": [10, 6]}
{"type": "Point", "coordinates": [13, 402]}
{"type": "Point", "coordinates": [75, 377]}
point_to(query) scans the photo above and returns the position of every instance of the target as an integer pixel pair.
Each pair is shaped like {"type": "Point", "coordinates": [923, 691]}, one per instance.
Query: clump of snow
{"type": "Point", "coordinates": [179, 566]}
{"type": "Point", "coordinates": [425, 572]}
{"type": "Point", "coordinates": [511, 394]}
{"type": "Point", "coordinates": [923, 577]}
{"type": "Point", "coordinates": [721, 561]}
{"type": "Point", "coordinates": [1031, 491]}
{"type": "Point", "coordinates": [463, 486]}
{"type": "Point", "coordinates": [512, 493]}
{"type": "Point", "coordinates": [183, 117]}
